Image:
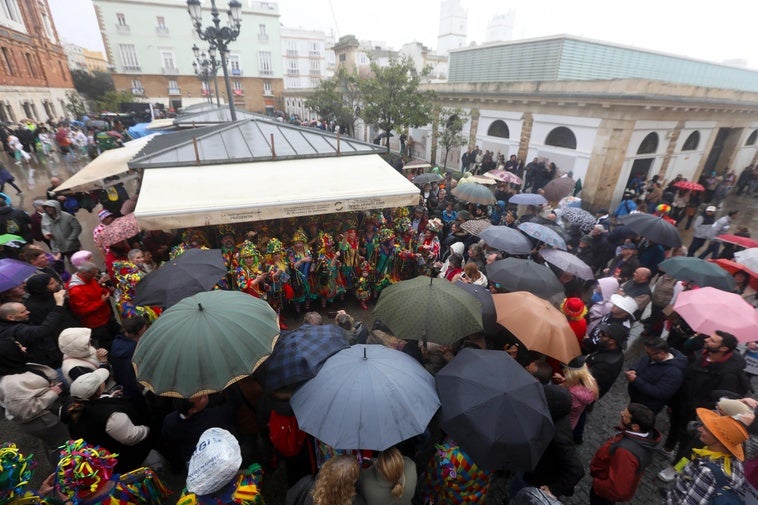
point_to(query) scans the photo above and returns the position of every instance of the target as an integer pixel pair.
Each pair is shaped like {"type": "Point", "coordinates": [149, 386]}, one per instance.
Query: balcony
{"type": "Point", "coordinates": [315, 73]}
{"type": "Point", "coordinates": [291, 53]}
{"type": "Point", "coordinates": [266, 71]}
{"type": "Point", "coordinates": [138, 91]}
{"type": "Point", "coordinates": [293, 72]}
{"type": "Point", "coordinates": [174, 91]}
{"type": "Point", "coordinates": [237, 72]}
{"type": "Point", "coordinates": [162, 31]}
{"type": "Point", "coordinates": [123, 29]}
{"type": "Point", "coordinates": [263, 38]}
{"type": "Point", "coordinates": [314, 54]}
{"type": "Point", "coordinates": [268, 92]}
{"type": "Point", "coordinates": [170, 71]}
{"type": "Point", "coordinates": [132, 68]}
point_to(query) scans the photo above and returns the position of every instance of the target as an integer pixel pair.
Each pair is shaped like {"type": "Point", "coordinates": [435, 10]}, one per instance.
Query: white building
{"type": "Point", "coordinates": [75, 56]}
{"type": "Point", "coordinates": [308, 57]}
{"type": "Point", "coordinates": [453, 26]}
{"type": "Point", "coordinates": [500, 27]}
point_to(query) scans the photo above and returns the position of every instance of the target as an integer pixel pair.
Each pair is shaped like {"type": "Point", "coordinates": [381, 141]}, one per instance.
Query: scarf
{"type": "Point", "coordinates": [715, 456]}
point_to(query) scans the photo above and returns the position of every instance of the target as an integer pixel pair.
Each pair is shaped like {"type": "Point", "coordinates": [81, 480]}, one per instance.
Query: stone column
{"type": "Point", "coordinates": [474, 127]}
{"type": "Point", "coordinates": [673, 137]}
{"type": "Point", "coordinates": [435, 134]}
{"type": "Point", "coordinates": [527, 123]}
{"type": "Point", "coordinates": [606, 161]}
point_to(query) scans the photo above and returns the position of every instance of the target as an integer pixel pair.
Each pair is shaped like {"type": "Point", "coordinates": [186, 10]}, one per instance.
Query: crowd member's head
{"type": "Point", "coordinates": [87, 271]}
{"type": "Point", "coordinates": [541, 370]}
{"type": "Point", "coordinates": [14, 294]}
{"type": "Point", "coordinates": [576, 372]}
{"type": "Point", "coordinates": [14, 311]}
{"type": "Point", "coordinates": [136, 256]}
{"type": "Point", "coordinates": [472, 271]}
{"type": "Point", "coordinates": [15, 473]}
{"type": "Point", "coordinates": [80, 257]}
{"type": "Point", "coordinates": [623, 306]}
{"type": "Point", "coordinates": [642, 275]}
{"type": "Point", "coordinates": [105, 217]}
{"type": "Point", "coordinates": [720, 343]}
{"type": "Point", "coordinates": [721, 433]}
{"type": "Point", "coordinates": [390, 466]}
{"type": "Point", "coordinates": [335, 484]}
{"type": "Point", "coordinates": [34, 256]}
{"type": "Point", "coordinates": [313, 318]}
{"type": "Point", "coordinates": [83, 470]}
{"type": "Point", "coordinates": [613, 336]}
{"type": "Point", "coordinates": [637, 418]}
{"type": "Point", "coordinates": [657, 349]}
{"type": "Point", "coordinates": [215, 462]}
{"type": "Point", "coordinates": [42, 283]}
{"type": "Point", "coordinates": [134, 327]}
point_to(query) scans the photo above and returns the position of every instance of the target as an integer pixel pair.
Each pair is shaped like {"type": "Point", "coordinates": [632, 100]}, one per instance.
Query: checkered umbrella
{"type": "Point", "coordinates": [299, 354]}
{"type": "Point", "coordinates": [579, 217]}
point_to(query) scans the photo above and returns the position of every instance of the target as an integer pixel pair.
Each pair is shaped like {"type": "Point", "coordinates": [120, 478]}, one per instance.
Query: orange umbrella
{"type": "Point", "coordinates": [537, 324]}
{"type": "Point", "coordinates": [732, 267]}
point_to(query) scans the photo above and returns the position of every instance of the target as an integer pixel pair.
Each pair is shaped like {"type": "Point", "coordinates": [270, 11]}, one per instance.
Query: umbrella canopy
{"type": "Point", "coordinates": [580, 217]}
{"type": "Point", "coordinates": [528, 199]}
{"type": "Point", "coordinates": [429, 309]}
{"type": "Point", "coordinates": [558, 188]}
{"type": "Point", "coordinates": [120, 229]}
{"type": "Point", "coordinates": [544, 234]}
{"type": "Point", "coordinates": [516, 274]}
{"type": "Point", "coordinates": [204, 343]}
{"type": "Point", "coordinates": [733, 267]}
{"type": "Point", "coordinates": [507, 239]}
{"type": "Point", "coordinates": [537, 324]}
{"type": "Point", "coordinates": [748, 257]}
{"type": "Point", "coordinates": [192, 272]}
{"type": "Point", "coordinates": [366, 397]}
{"type": "Point", "coordinates": [424, 178]}
{"type": "Point", "coordinates": [299, 354]}
{"type": "Point", "coordinates": [689, 185]}
{"type": "Point", "coordinates": [568, 263]}
{"type": "Point", "coordinates": [701, 272]}
{"type": "Point", "coordinates": [14, 272]}
{"type": "Point", "coordinates": [653, 228]}
{"type": "Point", "coordinates": [489, 318]}
{"type": "Point", "coordinates": [474, 193]}
{"type": "Point", "coordinates": [11, 240]}
{"type": "Point", "coordinates": [503, 176]}
{"type": "Point", "coordinates": [709, 309]}
{"type": "Point", "coordinates": [494, 409]}
{"type": "Point", "coordinates": [745, 242]}
{"type": "Point", "coordinates": [480, 179]}
{"type": "Point", "coordinates": [475, 226]}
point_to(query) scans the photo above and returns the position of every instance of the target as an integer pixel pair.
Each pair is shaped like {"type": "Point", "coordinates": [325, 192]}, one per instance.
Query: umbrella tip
{"type": "Point", "coordinates": [199, 306]}
{"type": "Point", "coordinates": [364, 353]}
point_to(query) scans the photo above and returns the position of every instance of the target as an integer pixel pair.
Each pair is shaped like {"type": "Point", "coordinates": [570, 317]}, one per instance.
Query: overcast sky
{"type": "Point", "coordinates": [713, 32]}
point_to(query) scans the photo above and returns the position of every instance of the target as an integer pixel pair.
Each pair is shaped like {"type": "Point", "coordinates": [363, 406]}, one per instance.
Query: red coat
{"type": "Point", "coordinates": [579, 327]}
{"type": "Point", "coordinates": [615, 476]}
{"type": "Point", "coordinates": [86, 303]}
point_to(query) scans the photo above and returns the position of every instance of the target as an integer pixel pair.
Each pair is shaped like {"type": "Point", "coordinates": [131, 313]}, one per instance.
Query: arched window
{"type": "Point", "coordinates": [649, 144]}
{"type": "Point", "coordinates": [561, 137]}
{"type": "Point", "coordinates": [692, 141]}
{"type": "Point", "coordinates": [452, 119]}
{"type": "Point", "coordinates": [752, 138]}
{"type": "Point", "coordinates": [499, 129]}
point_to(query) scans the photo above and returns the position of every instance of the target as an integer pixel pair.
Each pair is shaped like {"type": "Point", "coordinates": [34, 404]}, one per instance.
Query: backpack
{"type": "Point", "coordinates": [286, 437]}
{"type": "Point", "coordinates": [725, 494]}
{"type": "Point", "coordinates": [643, 455]}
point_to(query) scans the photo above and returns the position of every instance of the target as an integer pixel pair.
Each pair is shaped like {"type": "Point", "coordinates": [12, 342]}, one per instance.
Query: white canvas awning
{"type": "Point", "coordinates": [109, 163]}
{"type": "Point", "coordinates": [241, 192]}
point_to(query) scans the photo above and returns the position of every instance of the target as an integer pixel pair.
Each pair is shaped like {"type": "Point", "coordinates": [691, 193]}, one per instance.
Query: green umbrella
{"type": "Point", "coordinates": [429, 309]}
{"type": "Point", "coordinates": [204, 343]}
{"type": "Point", "coordinates": [12, 240]}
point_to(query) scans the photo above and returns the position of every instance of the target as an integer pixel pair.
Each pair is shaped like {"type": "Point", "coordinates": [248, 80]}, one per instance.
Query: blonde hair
{"type": "Point", "coordinates": [390, 466]}
{"type": "Point", "coordinates": [472, 271]}
{"type": "Point", "coordinates": [581, 376]}
{"type": "Point", "coordinates": [335, 483]}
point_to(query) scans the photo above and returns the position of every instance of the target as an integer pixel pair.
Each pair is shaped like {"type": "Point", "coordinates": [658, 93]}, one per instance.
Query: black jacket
{"type": "Point", "coordinates": [605, 366]}
{"type": "Point", "coordinates": [702, 378]}
{"type": "Point", "coordinates": [41, 341]}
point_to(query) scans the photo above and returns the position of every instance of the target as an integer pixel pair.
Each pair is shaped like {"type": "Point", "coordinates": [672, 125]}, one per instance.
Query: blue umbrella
{"type": "Point", "coordinates": [299, 354]}
{"type": "Point", "coordinates": [507, 239]}
{"type": "Point", "coordinates": [528, 199]}
{"type": "Point", "coordinates": [14, 272]}
{"type": "Point", "coordinates": [367, 397]}
{"type": "Point", "coordinates": [543, 234]}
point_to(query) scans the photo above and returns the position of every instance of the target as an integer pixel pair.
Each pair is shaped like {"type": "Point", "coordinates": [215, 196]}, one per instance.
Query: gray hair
{"type": "Point", "coordinates": [133, 253]}
{"type": "Point", "coordinates": [87, 266]}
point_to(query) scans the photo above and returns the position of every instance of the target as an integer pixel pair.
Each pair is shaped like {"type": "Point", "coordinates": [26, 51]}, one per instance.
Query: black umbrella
{"type": "Point", "coordinates": [653, 228]}
{"type": "Point", "coordinates": [190, 273]}
{"type": "Point", "coordinates": [489, 316]}
{"type": "Point", "coordinates": [507, 239]}
{"type": "Point", "coordinates": [516, 274]}
{"type": "Point", "coordinates": [494, 409]}
{"type": "Point", "coordinates": [424, 178]}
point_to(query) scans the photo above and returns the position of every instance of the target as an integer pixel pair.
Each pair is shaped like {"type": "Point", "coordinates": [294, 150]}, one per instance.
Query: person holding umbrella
{"type": "Point", "coordinates": [392, 479]}
{"type": "Point", "coordinates": [719, 227]}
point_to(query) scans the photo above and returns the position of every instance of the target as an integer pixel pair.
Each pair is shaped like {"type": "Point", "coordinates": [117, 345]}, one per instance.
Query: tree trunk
{"type": "Point", "coordinates": [444, 162]}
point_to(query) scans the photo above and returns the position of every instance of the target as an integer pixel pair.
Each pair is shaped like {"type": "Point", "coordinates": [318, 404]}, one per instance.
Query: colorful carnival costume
{"type": "Point", "coordinates": [279, 288]}
{"type": "Point", "coordinates": [230, 253]}
{"type": "Point", "coordinates": [300, 260]}
{"type": "Point", "coordinates": [429, 247]}
{"type": "Point", "coordinates": [349, 254]}
{"type": "Point", "coordinates": [84, 476]}
{"type": "Point", "coordinates": [453, 478]}
{"type": "Point", "coordinates": [363, 284]}
{"type": "Point", "coordinates": [191, 239]}
{"type": "Point", "coordinates": [127, 275]}
{"type": "Point", "coordinates": [328, 283]}
{"type": "Point", "coordinates": [249, 275]}
{"type": "Point", "coordinates": [406, 265]}
{"type": "Point", "coordinates": [16, 472]}
{"type": "Point", "coordinates": [244, 489]}
{"type": "Point", "coordinates": [385, 260]}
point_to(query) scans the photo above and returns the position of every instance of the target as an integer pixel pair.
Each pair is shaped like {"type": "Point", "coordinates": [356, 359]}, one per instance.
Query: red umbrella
{"type": "Point", "coordinates": [745, 242]}
{"type": "Point", "coordinates": [689, 186]}
{"type": "Point", "coordinates": [121, 228]}
{"type": "Point", "coordinates": [732, 267]}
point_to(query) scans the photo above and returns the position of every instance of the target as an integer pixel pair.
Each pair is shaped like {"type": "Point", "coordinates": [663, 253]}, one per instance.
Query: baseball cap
{"type": "Point", "coordinates": [85, 386]}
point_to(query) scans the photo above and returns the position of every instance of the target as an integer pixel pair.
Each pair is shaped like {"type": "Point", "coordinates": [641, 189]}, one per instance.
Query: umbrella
{"type": "Point", "coordinates": [568, 263]}
{"type": "Point", "coordinates": [507, 239]}
{"type": "Point", "coordinates": [745, 242]}
{"type": "Point", "coordinates": [503, 176]}
{"type": "Point", "coordinates": [528, 199]}
{"type": "Point", "coordinates": [733, 267]}
{"type": "Point", "coordinates": [424, 178]}
{"type": "Point", "coordinates": [543, 234]}
{"type": "Point", "coordinates": [709, 309]}
{"type": "Point", "coordinates": [537, 324]}
{"type": "Point", "coordinates": [205, 343]}
{"type": "Point", "coordinates": [748, 257]}
{"type": "Point", "coordinates": [480, 179]}
{"type": "Point", "coordinates": [14, 272]}
{"type": "Point", "coordinates": [428, 308]}
{"type": "Point", "coordinates": [653, 228]}
{"type": "Point", "coordinates": [474, 193]}
{"type": "Point", "coordinates": [689, 185]}
{"type": "Point", "coordinates": [192, 272]}
{"type": "Point", "coordinates": [11, 240]}
{"type": "Point", "coordinates": [516, 274]}
{"type": "Point", "coordinates": [489, 319]}
{"type": "Point", "coordinates": [698, 271]}
{"type": "Point", "coordinates": [122, 228]}
{"type": "Point", "coordinates": [580, 217]}
{"type": "Point", "coordinates": [299, 354]}
{"type": "Point", "coordinates": [494, 409]}
{"type": "Point", "coordinates": [366, 397]}
{"type": "Point", "coordinates": [475, 226]}
{"type": "Point", "coordinates": [558, 188]}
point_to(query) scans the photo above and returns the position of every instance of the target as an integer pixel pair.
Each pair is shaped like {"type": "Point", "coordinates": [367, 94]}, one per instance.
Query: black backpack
{"type": "Point", "coordinates": [644, 455]}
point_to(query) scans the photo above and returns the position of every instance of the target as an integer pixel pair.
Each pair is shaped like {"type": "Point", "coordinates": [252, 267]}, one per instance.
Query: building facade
{"type": "Point", "coordinates": [308, 57]}
{"type": "Point", "coordinates": [453, 26]}
{"type": "Point", "coordinates": [34, 75]}
{"type": "Point", "coordinates": [149, 45]}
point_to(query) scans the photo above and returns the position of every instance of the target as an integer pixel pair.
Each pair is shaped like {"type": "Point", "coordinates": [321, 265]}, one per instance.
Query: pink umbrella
{"type": "Point", "coordinates": [709, 309]}
{"type": "Point", "coordinates": [121, 228]}
{"type": "Point", "coordinates": [503, 176]}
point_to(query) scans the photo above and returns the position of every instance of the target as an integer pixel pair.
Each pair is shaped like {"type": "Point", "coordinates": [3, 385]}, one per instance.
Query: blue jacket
{"type": "Point", "coordinates": [625, 207]}
{"type": "Point", "coordinates": [657, 383]}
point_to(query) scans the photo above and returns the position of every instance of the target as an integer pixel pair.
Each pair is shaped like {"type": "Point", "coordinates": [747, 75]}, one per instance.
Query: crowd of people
{"type": "Point", "coordinates": [68, 332]}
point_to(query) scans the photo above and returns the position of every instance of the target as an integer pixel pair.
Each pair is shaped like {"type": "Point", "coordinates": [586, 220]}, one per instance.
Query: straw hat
{"type": "Point", "coordinates": [729, 432]}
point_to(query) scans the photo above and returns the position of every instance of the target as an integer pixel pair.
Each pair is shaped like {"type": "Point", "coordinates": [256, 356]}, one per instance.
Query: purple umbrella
{"type": "Point", "coordinates": [13, 273]}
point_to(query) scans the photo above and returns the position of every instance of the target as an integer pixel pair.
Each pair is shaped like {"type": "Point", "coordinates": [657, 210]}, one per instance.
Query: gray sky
{"type": "Point", "coordinates": [715, 32]}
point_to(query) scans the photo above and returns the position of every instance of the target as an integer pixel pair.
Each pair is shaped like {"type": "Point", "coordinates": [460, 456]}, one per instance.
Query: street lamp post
{"type": "Point", "coordinates": [206, 67]}
{"type": "Point", "coordinates": [219, 36]}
